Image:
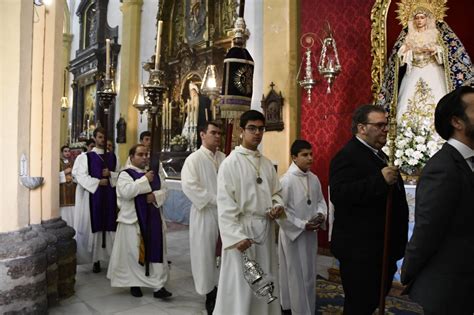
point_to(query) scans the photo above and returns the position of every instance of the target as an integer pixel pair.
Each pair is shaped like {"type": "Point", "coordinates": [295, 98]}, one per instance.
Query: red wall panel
{"type": "Point", "coordinates": [325, 122]}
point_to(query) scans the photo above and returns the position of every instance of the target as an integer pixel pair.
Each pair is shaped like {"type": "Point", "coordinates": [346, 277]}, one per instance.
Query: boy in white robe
{"type": "Point", "coordinates": [248, 202]}
{"type": "Point", "coordinates": [132, 262]}
{"type": "Point", "coordinates": [90, 244]}
{"type": "Point", "coordinates": [298, 243]}
{"type": "Point", "coordinates": [199, 183]}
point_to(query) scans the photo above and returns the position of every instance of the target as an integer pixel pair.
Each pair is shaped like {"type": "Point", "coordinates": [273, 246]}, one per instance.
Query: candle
{"type": "Point", "coordinates": [107, 59]}
{"type": "Point", "coordinates": [70, 133]}
{"type": "Point", "coordinates": [169, 113]}
{"type": "Point", "coordinates": [88, 126]}
{"type": "Point", "coordinates": [158, 44]}
{"type": "Point", "coordinates": [163, 118]}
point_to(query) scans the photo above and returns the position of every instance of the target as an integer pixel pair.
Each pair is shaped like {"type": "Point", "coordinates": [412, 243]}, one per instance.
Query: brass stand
{"type": "Point", "coordinates": [154, 90]}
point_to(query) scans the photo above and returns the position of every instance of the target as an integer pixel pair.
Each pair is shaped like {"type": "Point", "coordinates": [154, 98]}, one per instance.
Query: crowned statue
{"type": "Point", "coordinates": [427, 61]}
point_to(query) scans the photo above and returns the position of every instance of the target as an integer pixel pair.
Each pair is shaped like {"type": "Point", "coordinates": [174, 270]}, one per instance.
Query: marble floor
{"type": "Point", "coordinates": [95, 296]}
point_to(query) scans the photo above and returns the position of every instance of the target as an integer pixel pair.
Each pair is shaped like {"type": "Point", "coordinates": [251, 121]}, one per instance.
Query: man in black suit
{"type": "Point", "coordinates": [359, 182]}
{"type": "Point", "coordinates": [439, 259]}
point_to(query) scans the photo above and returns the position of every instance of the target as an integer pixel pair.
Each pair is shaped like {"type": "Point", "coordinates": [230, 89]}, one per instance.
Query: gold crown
{"type": "Point", "coordinates": [407, 9]}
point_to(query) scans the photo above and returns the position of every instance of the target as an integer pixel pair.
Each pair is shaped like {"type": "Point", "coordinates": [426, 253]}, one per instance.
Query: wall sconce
{"type": "Point", "coordinates": [329, 66]}
{"type": "Point", "coordinates": [209, 86]}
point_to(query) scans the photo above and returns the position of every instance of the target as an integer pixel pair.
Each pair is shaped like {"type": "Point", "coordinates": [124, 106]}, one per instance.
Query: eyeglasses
{"type": "Point", "coordinates": [379, 125]}
{"type": "Point", "coordinates": [253, 129]}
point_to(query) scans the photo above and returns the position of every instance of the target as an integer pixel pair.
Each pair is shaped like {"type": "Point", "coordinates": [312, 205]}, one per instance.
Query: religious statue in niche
{"type": "Point", "coordinates": [121, 130]}
{"type": "Point", "coordinates": [427, 61]}
{"type": "Point", "coordinates": [198, 111]}
{"type": "Point", "coordinates": [195, 17]}
{"type": "Point", "coordinates": [272, 106]}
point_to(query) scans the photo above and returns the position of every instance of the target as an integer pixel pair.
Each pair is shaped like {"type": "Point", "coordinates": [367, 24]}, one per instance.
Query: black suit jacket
{"type": "Point", "coordinates": [359, 193]}
{"type": "Point", "coordinates": [443, 238]}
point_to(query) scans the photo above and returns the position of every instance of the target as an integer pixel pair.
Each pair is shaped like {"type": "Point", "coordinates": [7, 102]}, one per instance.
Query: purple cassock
{"type": "Point", "coordinates": [149, 219]}
{"type": "Point", "coordinates": [103, 203]}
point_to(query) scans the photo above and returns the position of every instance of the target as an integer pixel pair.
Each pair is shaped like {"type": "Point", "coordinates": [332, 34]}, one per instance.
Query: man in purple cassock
{"type": "Point", "coordinates": [95, 213]}
{"type": "Point", "coordinates": [138, 257]}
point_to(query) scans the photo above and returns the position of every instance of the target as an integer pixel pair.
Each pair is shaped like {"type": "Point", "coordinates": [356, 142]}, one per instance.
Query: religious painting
{"type": "Point", "coordinates": [90, 93]}
{"type": "Point", "coordinates": [272, 106]}
{"type": "Point", "coordinates": [195, 21]}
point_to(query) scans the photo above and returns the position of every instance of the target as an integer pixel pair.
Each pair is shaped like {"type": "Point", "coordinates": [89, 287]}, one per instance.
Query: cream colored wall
{"type": "Point", "coordinates": [45, 112]}
{"type": "Point", "coordinates": [15, 85]}
{"type": "Point", "coordinates": [280, 57]}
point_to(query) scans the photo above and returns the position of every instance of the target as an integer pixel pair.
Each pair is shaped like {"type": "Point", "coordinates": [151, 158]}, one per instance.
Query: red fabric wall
{"type": "Point", "coordinates": [325, 122]}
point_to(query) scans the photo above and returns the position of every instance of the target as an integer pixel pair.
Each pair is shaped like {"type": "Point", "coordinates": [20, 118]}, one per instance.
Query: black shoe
{"type": "Point", "coordinates": [96, 268]}
{"type": "Point", "coordinates": [211, 301]}
{"type": "Point", "coordinates": [136, 291]}
{"type": "Point", "coordinates": [162, 293]}
{"type": "Point", "coordinates": [286, 312]}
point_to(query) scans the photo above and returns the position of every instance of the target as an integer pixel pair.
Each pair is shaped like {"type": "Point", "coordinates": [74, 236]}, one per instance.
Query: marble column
{"type": "Point", "coordinates": [129, 71]}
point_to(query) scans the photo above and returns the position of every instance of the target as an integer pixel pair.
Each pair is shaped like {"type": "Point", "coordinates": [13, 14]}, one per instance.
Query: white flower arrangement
{"type": "Point", "coordinates": [179, 140]}
{"type": "Point", "coordinates": [416, 139]}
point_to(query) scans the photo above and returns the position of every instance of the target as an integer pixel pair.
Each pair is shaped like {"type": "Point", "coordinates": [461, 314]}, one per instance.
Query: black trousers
{"type": "Point", "coordinates": [361, 282]}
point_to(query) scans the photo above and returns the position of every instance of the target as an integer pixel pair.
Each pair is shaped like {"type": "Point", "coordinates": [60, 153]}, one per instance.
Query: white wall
{"type": "Point", "coordinates": [253, 16]}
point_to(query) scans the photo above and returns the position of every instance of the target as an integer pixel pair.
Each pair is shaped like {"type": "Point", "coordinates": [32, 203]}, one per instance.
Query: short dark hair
{"type": "Point", "coordinates": [361, 115]}
{"type": "Point", "coordinates": [133, 149]}
{"type": "Point", "coordinates": [90, 141]}
{"type": "Point", "coordinates": [97, 130]}
{"type": "Point", "coordinates": [299, 145]}
{"type": "Point", "coordinates": [64, 147]}
{"type": "Point", "coordinates": [204, 127]}
{"type": "Point", "coordinates": [449, 106]}
{"type": "Point", "coordinates": [251, 115]}
{"type": "Point", "coordinates": [144, 134]}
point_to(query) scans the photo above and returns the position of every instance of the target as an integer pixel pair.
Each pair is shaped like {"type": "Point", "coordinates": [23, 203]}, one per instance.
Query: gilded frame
{"type": "Point", "coordinates": [378, 38]}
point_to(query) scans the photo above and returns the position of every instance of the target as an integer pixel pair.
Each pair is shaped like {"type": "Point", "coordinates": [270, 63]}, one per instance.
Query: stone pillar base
{"type": "Point", "coordinates": [37, 267]}
{"type": "Point", "coordinates": [23, 263]}
{"type": "Point", "coordinates": [66, 255]}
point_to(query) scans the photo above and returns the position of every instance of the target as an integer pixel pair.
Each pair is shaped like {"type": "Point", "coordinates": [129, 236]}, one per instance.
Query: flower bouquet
{"type": "Point", "coordinates": [179, 143]}
{"type": "Point", "coordinates": [416, 140]}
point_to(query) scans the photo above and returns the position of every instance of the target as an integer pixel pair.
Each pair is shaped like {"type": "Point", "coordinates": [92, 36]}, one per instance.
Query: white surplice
{"type": "Point", "coordinates": [199, 183]}
{"type": "Point", "coordinates": [241, 206]}
{"type": "Point", "coordinates": [124, 269]}
{"type": "Point", "coordinates": [89, 245]}
{"type": "Point", "coordinates": [297, 248]}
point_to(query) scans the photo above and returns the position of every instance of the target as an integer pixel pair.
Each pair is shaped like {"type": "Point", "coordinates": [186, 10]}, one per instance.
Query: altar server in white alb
{"type": "Point", "coordinates": [306, 211]}
{"type": "Point", "coordinates": [199, 183]}
{"type": "Point", "coordinates": [139, 255]}
{"type": "Point", "coordinates": [248, 202]}
{"type": "Point", "coordinates": [95, 213]}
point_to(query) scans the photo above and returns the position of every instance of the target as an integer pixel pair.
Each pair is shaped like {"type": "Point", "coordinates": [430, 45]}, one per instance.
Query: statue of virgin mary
{"type": "Point", "coordinates": [427, 61]}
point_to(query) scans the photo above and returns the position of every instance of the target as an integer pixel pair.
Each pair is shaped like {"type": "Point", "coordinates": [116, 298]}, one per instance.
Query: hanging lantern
{"type": "Point", "coordinates": [329, 66]}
